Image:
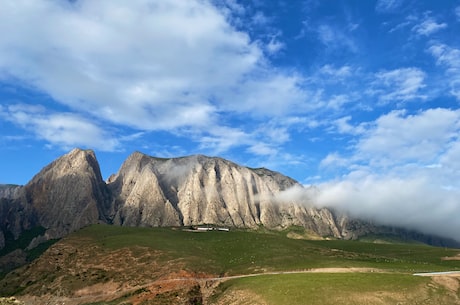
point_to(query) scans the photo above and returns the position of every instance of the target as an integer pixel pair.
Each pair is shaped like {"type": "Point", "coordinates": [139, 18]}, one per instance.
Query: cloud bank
{"type": "Point", "coordinates": [403, 171]}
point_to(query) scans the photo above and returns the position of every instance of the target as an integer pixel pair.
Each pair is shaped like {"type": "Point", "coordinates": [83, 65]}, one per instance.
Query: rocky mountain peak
{"type": "Point", "coordinates": [77, 160]}
{"type": "Point", "coordinates": [68, 194]}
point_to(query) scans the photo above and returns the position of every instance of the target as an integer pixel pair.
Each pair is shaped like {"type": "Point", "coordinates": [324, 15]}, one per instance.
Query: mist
{"type": "Point", "coordinates": [415, 203]}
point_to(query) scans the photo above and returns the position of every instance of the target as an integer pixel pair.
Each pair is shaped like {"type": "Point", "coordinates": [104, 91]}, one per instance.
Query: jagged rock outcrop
{"type": "Point", "coordinates": [69, 193]}
{"type": "Point", "coordinates": [65, 196]}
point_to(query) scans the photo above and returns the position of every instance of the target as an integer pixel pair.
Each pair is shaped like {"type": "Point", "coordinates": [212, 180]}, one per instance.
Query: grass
{"type": "Point", "coordinates": [401, 257]}
{"type": "Point", "coordinates": [22, 242]}
{"type": "Point", "coordinates": [239, 252]}
{"type": "Point", "coordinates": [335, 288]}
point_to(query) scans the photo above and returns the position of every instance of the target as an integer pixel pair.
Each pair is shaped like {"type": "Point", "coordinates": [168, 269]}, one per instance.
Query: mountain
{"type": "Point", "coordinates": [65, 196]}
{"type": "Point", "coordinates": [70, 194]}
{"type": "Point", "coordinates": [194, 190]}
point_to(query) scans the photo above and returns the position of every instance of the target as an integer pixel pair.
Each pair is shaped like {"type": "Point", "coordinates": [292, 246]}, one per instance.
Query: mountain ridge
{"type": "Point", "coordinates": [70, 193]}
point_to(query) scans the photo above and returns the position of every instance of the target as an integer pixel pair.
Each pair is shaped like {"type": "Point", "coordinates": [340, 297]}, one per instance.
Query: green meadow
{"type": "Point", "coordinates": [142, 256]}
{"type": "Point", "coordinates": [241, 252]}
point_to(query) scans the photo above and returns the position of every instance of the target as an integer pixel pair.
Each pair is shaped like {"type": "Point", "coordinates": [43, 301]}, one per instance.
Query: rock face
{"type": "Point", "coordinates": [66, 195]}
{"type": "Point", "coordinates": [194, 190]}
{"type": "Point", "coordinates": [70, 193]}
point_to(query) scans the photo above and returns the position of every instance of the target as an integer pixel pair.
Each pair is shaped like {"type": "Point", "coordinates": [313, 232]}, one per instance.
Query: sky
{"type": "Point", "coordinates": [358, 98]}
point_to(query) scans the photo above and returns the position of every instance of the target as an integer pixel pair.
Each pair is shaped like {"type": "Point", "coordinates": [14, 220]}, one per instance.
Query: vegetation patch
{"type": "Point", "coordinates": [22, 242]}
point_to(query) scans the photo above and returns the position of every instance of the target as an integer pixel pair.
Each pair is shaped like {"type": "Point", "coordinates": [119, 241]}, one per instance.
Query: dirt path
{"type": "Point", "coordinates": [314, 270]}
{"type": "Point", "coordinates": [444, 273]}
{"type": "Point", "coordinates": [203, 280]}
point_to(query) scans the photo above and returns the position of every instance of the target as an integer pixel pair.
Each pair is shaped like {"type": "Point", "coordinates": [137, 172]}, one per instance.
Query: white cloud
{"type": "Point", "coordinates": [220, 139]}
{"type": "Point", "coordinates": [449, 58]}
{"type": "Point", "coordinates": [414, 203]}
{"type": "Point", "coordinates": [274, 46]}
{"type": "Point", "coordinates": [339, 73]}
{"type": "Point", "coordinates": [334, 160]}
{"type": "Point", "coordinates": [65, 130]}
{"type": "Point", "coordinates": [263, 149]}
{"type": "Point", "coordinates": [428, 27]}
{"type": "Point", "coordinates": [235, 6]}
{"type": "Point", "coordinates": [338, 102]}
{"type": "Point", "coordinates": [399, 85]}
{"type": "Point", "coordinates": [269, 95]}
{"type": "Point", "coordinates": [397, 138]}
{"type": "Point", "coordinates": [457, 12]}
{"type": "Point", "coordinates": [344, 127]}
{"type": "Point", "coordinates": [260, 18]}
{"type": "Point", "coordinates": [404, 171]}
{"type": "Point", "coordinates": [384, 6]}
{"type": "Point", "coordinates": [145, 64]}
{"type": "Point", "coordinates": [335, 38]}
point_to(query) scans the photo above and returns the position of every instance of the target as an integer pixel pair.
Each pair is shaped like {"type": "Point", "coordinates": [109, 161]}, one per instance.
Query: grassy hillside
{"type": "Point", "coordinates": [240, 251]}
{"type": "Point", "coordinates": [129, 263]}
{"type": "Point", "coordinates": [335, 288]}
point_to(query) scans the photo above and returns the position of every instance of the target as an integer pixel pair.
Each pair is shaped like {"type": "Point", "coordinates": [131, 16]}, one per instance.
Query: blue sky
{"type": "Point", "coordinates": [360, 98]}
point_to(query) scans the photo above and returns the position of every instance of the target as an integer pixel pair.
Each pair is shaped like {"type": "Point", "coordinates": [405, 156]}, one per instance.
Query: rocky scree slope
{"type": "Point", "coordinates": [70, 193]}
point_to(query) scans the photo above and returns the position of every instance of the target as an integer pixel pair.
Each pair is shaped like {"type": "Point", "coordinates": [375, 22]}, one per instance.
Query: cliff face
{"type": "Point", "coordinates": [69, 193]}
{"type": "Point", "coordinates": [195, 190]}
{"type": "Point", "coordinates": [66, 195]}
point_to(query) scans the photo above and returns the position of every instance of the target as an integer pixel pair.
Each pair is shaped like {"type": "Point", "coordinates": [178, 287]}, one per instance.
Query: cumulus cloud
{"type": "Point", "coordinates": [263, 149]}
{"type": "Point", "coordinates": [274, 46]}
{"type": "Point", "coordinates": [334, 160]}
{"type": "Point", "coordinates": [220, 139]}
{"type": "Point", "coordinates": [399, 138]}
{"type": "Point", "coordinates": [337, 73]}
{"type": "Point", "coordinates": [402, 84]}
{"type": "Point", "coordinates": [428, 27]}
{"type": "Point", "coordinates": [264, 140]}
{"type": "Point", "coordinates": [62, 129]}
{"type": "Point", "coordinates": [140, 63]}
{"type": "Point", "coordinates": [344, 127]}
{"type": "Point", "coordinates": [449, 58]}
{"type": "Point", "coordinates": [403, 171]}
